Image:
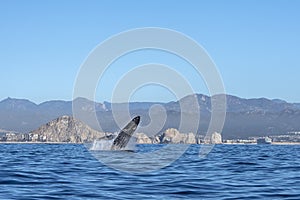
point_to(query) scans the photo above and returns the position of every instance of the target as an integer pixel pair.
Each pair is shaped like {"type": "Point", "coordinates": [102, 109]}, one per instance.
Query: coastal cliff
{"type": "Point", "coordinates": [65, 129]}
{"type": "Point", "coordinates": [173, 136]}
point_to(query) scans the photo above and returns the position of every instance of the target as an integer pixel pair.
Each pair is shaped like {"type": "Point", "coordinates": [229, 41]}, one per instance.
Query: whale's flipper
{"type": "Point", "coordinates": [124, 136]}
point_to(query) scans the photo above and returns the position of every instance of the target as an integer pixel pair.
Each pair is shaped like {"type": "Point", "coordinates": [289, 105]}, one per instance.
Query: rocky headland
{"type": "Point", "coordinates": [173, 136]}
{"type": "Point", "coordinates": [67, 129]}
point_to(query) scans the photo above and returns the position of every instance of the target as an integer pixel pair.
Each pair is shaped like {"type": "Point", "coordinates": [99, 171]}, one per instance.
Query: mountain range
{"type": "Point", "coordinates": [244, 117]}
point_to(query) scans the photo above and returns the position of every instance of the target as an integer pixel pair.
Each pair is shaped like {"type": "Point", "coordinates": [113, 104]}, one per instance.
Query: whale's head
{"type": "Point", "coordinates": [136, 120]}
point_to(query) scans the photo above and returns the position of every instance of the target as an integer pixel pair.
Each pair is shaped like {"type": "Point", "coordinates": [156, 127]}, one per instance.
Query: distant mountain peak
{"type": "Point", "coordinates": [244, 117]}
{"type": "Point", "coordinates": [9, 99]}
{"type": "Point", "coordinates": [279, 101]}
{"type": "Point", "coordinates": [20, 104]}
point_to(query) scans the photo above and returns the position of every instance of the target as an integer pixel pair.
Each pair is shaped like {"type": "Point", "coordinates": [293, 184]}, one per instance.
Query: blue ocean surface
{"type": "Point", "coordinates": [70, 171]}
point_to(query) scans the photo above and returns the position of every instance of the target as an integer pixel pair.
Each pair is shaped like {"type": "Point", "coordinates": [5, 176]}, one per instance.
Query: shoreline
{"type": "Point", "coordinates": [273, 143]}
{"type": "Point", "coordinates": [30, 142]}
{"type": "Point", "coordinates": [286, 143]}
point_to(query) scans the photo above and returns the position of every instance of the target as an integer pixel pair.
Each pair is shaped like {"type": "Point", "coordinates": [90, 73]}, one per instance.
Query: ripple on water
{"type": "Point", "coordinates": [66, 171]}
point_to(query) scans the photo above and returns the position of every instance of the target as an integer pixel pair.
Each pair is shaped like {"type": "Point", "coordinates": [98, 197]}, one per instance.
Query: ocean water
{"type": "Point", "coordinates": [70, 171]}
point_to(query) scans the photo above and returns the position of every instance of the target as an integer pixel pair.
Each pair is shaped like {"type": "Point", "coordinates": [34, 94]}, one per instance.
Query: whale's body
{"type": "Point", "coordinates": [125, 134]}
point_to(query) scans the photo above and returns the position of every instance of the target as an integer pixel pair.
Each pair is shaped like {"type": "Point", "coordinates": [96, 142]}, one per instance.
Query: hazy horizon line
{"type": "Point", "coordinates": [145, 101]}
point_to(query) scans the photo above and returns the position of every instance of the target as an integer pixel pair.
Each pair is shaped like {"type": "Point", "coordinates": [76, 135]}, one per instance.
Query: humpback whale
{"type": "Point", "coordinates": [125, 134]}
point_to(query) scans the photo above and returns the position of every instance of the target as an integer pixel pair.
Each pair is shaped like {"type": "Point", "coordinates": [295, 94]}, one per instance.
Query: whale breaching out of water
{"type": "Point", "coordinates": [125, 134]}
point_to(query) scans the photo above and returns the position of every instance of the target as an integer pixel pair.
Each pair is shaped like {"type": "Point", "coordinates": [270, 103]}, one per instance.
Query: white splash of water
{"type": "Point", "coordinates": [105, 145]}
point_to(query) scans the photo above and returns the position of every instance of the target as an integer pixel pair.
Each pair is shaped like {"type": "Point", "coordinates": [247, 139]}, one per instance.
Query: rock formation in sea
{"type": "Point", "coordinates": [65, 129]}
{"type": "Point", "coordinates": [70, 130]}
{"type": "Point", "coordinates": [173, 136]}
{"type": "Point", "coordinates": [216, 138]}
{"type": "Point", "coordinates": [142, 138]}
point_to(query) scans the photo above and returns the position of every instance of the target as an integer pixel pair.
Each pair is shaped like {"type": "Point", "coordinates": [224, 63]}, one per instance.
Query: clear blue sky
{"type": "Point", "coordinates": [255, 44]}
